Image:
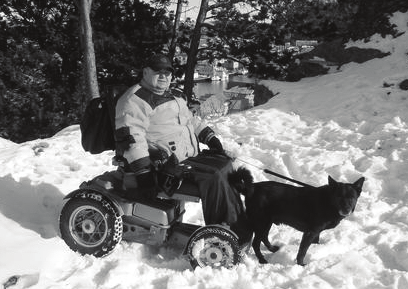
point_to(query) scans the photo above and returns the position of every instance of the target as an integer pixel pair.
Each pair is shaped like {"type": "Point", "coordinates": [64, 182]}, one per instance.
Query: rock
{"type": "Point", "coordinates": [404, 84]}
{"type": "Point", "coordinates": [262, 94]}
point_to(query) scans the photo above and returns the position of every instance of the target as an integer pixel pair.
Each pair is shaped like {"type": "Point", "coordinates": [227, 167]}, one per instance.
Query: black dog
{"type": "Point", "coordinates": [307, 209]}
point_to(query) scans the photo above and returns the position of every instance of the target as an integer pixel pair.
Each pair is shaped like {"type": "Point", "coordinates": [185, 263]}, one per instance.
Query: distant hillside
{"type": "Point", "coordinates": [371, 18]}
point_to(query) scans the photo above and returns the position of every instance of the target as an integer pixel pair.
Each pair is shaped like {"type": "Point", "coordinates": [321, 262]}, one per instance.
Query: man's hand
{"type": "Point", "coordinates": [215, 145]}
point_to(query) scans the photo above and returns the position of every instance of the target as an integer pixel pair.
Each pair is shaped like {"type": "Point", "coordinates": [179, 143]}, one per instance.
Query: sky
{"type": "Point", "coordinates": [191, 10]}
{"type": "Point", "coordinates": [349, 123]}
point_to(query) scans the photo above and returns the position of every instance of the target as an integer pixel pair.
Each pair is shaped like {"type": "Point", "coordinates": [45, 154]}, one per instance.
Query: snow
{"type": "Point", "coordinates": [345, 124]}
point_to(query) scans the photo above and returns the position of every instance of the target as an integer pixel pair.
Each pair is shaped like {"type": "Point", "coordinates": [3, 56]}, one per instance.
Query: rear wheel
{"type": "Point", "coordinates": [215, 247]}
{"type": "Point", "coordinates": [89, 224]}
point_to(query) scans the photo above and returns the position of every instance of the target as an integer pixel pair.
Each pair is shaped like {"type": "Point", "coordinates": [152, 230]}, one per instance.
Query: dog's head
{"type": "Point", "coordinates": [345, 195]}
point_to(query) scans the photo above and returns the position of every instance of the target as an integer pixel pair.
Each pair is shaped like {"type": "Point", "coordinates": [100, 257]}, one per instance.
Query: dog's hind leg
{"type": "Point", "coordinates": [265, 240]}
{"type": "Point", "coordinates": [256, 244]}
{"type": "Point", "coordinates": [272, 248]}
{"type": "Point", "coordinates": [261, 235]}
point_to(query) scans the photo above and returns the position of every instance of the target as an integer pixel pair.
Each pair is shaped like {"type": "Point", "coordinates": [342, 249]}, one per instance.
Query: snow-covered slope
{"type": "Point", "coordinates": [347, 124]}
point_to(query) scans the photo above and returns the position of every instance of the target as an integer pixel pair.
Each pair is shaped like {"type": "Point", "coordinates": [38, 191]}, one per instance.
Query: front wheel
{"type": "Point", "coordinates": [89, 224]}
{"type": "Point", "coordinates": [215, 247]}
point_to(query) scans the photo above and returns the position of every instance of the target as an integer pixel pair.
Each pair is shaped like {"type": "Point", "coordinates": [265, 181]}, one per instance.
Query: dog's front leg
{"type": "Point", "coordinates": [307, 239]}
{"type": "Point", "coordinates": [256, 244]}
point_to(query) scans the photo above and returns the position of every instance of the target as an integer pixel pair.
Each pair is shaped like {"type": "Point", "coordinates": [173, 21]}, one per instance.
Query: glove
{"type": "Point", "coordinates": [171, 176]}
{"type": "Point", "coordinates": [215, 145]}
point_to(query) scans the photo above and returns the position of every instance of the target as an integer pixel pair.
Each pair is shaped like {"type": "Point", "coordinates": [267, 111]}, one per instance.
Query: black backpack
{"type": "Point", "coordinates": [98, 122]}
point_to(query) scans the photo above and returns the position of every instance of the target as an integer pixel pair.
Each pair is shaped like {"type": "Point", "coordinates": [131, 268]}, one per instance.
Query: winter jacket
{"type": "Point", "coordinates": [144, 119]}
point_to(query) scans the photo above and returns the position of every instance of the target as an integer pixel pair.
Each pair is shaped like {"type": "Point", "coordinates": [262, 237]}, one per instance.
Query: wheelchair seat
{"type": "Point", "coordinates": [179, 180]}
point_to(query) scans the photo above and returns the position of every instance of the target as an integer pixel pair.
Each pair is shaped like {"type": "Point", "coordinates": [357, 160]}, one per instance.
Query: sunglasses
{"type": "Point", "coordinates": [163, 71]}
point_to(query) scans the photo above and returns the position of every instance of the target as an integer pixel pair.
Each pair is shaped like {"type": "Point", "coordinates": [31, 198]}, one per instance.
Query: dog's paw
{"type": "Point", "coordinates": [301, 263]}
{"type": "Point", "coordinates": [273, 249]}
{"type": "Point", "coordinates": [261, 258]}
{"type": "Point", "coordinates": [263, 261]}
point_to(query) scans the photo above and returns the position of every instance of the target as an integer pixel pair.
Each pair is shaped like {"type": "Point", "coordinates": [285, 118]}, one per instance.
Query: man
{"type": "Point", "coordinates": [149, 115]}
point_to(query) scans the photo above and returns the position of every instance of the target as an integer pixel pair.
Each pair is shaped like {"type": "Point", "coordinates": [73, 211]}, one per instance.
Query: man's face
{"type": "Point", "coordinates": [158, 79]}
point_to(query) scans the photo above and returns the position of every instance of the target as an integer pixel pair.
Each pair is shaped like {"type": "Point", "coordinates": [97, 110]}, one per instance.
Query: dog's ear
{"type": "Point", "coordinates": [358, 185]}
{"type": "Point", "coordinates": [332, 182]}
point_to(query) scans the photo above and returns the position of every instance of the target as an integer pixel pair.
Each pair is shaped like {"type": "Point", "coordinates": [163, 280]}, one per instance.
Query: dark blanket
{"type": "Point", "coordinates": [221, 202]}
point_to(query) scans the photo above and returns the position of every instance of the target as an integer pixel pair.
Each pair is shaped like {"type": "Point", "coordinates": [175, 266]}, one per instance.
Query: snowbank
{"type": "Point", "coordinates": [346, 124]}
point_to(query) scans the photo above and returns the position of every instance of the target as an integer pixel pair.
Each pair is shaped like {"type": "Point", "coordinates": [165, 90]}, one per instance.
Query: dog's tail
{"type": "Point", "coordinates": [242, 180]}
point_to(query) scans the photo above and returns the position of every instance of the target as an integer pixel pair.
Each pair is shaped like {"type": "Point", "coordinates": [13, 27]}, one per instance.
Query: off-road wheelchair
{"type": "Point", "coordinates": [98, 215]}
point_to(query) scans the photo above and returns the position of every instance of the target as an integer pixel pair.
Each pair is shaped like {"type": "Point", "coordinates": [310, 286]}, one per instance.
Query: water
{"type": "Point", "coordinates": [204, 89]}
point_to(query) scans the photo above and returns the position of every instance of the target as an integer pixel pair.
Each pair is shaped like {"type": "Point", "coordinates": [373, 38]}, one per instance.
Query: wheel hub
{"type": "Point", "coordinates": [88, 226]}
{"type": "Point", "coordinates": [213, 252]}
{"type": "Point", "coordinates": [213, 255]}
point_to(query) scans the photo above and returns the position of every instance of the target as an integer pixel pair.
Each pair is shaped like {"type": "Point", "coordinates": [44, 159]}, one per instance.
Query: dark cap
{"type": "Point", "coordinates": [158, 62]}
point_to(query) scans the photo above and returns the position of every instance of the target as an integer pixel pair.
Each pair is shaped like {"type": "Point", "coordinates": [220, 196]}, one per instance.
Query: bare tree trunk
{"type": "Point", "coordinates": [192, 55]}
{"type": "Point", "coordinates": [89, 53]}
{"type": "Point", "coordinates": [176, 26]}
